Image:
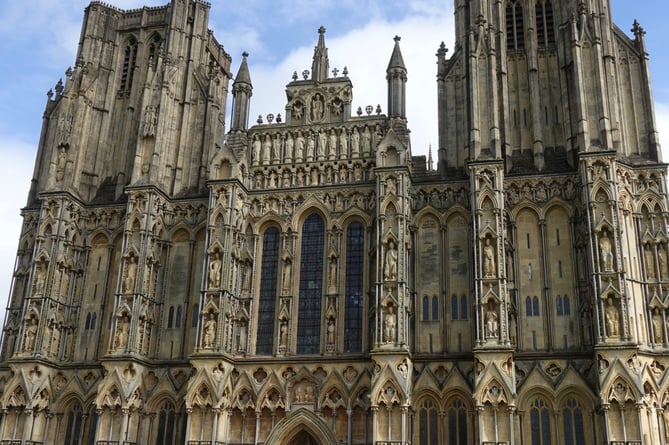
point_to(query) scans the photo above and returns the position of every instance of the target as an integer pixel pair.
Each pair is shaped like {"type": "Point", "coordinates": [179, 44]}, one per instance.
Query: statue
{"type": "Point", "coordinates": [612, 319]}
{"type": "Point", "coordinates": [331, 332]}
{"type": "Point", "coordinates": [246, 278]}
{"type": "Point", "coordinates": [40, 275]}
{"type": "Point", "coordinates": [322, 142]}
{"type": "Point", "coordinates": [317, 108]}
{"type": "Point", "coordinates": [606, 252]}
{"type": "Point", "coordinates": [241, 345]}
{"type": "Point", "coordinates": [299, 147]}
{"type": "Point", "coordinates": [123, 332]}
{"type": "Point", "coordinates": [389, 323]}
{"type": "Point", "coordinates": [283, 335]}
{"type": "Point", "coordinates": [209, 334]}
{"type": "Point", "coordinates": [366, 140]}
{"type": "Point", "coordinates": [289, 147]}
{"type": "Point", "coordinates": [30, 334]}
{"type": "Point", "coordinates": [215, 271]}
{"type": "Point", "coordinates": [266, 149]}
{"type": "Point", "coordinates": [650, 261]}
{"type": "Point", "coordinates": [662, 261]}
{"type": "Point", "coordinates": [55, 339]}
{"type": "Point", "coordinates": [276, 148]}
{"type": "Point", "coordinates": [311, 147]}
{"type": "Point", "coordinates": [390, 269]}
{"type": "Point", "coordinates": [256, 149]}
{"type": "Point", "coordinates": [333, 273]}
{"type": "Point", "coordinates": [343, 144]}
{"type": "Point", "coordinates": [355, 143]}
{"type": "Point", "coordinates": [658, 326]}
{"type": "Point", "coordinates": [130, 274]}
{"type": "Point", "coordinates": [332, 144]}
{"type": "Point", "coordinates": [491, 322]}
{"type": "Point", "coordinates": [286, 275]}
{"type": "Point", "coordinates": [489, 268]}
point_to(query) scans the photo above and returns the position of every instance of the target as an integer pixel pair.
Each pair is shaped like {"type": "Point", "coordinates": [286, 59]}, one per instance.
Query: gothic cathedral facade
{"type": "Point", "coordinates": [307, 280]}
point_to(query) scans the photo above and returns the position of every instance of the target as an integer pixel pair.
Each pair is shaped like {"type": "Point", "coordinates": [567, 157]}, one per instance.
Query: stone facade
{"type": "Point", "coordinates": [306, 280]}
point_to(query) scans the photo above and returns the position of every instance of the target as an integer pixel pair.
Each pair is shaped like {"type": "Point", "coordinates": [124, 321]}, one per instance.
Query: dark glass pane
{"type": "Point", "coordinates": [426, 308]}
{"type": "Point", "coordinates": [160, 438]}
{"type": "Point", "coordinates": [568, 427]}
{"type": "Point", "coordinates": [433, 426]}
{"type": "Point", "coordinates": [195, 316]}
{"type": "Point", "coordinates": [534, 427]}
{"type": "Point", "coordinates": [462, 427]}
{"type": "Point", "coordinates": [355, 251]}
{"type": "Point", "coordinates": [463, 307]}
{"type": "Point", "coordinates": [93, 320]}
{"type": "Point", "coordinates": [267, 299]}
{"type": "Point", "coordinates": [93, 422]}
{"type": "Point", "coordinates": [550, 26]}
{"type": "Point", "coordinates": [170, 317]}
{"type": "Point", "coordinates": [69, 428]}
{"type": "Point", "coordinates": [78, 425]}
{"type": "Point", "coordinates": [541, 30]}
{"type": "Point", "coordinates": [171, 426]}
{"type": "Point", "coordinates": [520, 30]}
{"type": "Point", "coordinates": [567, 305]}
{"type": "Point", "coordinates": [452, 427]}
{"type": "Point", "coordinates": [558, 303]}
{"type": "Point", "coordinates": [311, 285]}
{"type": "Point", "coordinates": [423, 427]}
{"type": "Point", "coordinates": [580, 430]}
{"type": "Point", "coordinates": [545, 427]}
{"type": "Point", "coordinates": [177, 323]}
{"type": "Point", "coordinates": [528, 307]}
{"type": "Point", "coordinates": [535, 306]}
{"type": "Point", "coordinates": [454, 307]}
{"type": "Point", "coordinates": [435, 308]}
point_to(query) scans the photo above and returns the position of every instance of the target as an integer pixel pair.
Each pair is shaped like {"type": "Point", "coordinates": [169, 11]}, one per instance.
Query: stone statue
{"type": "Point", "coordinates": [215, 271]}
{"type": "Point", "coordinates": [332, 144]}
{"type": "Point", "coordinates": [355, 143]}
{"type": "Point", "coordinates": [246, 278]}
{"type": "Point", "coordinates": [331, 332]}
{"type": "Point", "coordinates": [256, 149]}
{"type": "Point", "coordinates": [390, 268]}
{"type": "Point", "coordinates": [276, 148]}
{"type": "Point", "coordinates": [283, 334]}
{"type": "Point", "coordinates": [612, 319]}
{"type": "Point", "coordinates": [391, 187]}
{"type": "Point", "coordinates": [662, 261]}
{"type": "Point", "coordinates": [209, 334]}
{"type": "Point", "coordinates": [389, 323]}
{"type": "Point", "coordinates": [266, 149]}
{"type": "Point", "coordinates": [241, 345]}
{"type": "Point", "coordinates": [366, 140]}
{"type": "Point", "coordinates": [606, 252]}
{"type": "Point", "coordinates": [55, 339]}
{"type": "Point", "coordinates": [491, 322]}
{"type": "Point", "coordinates": [123, 332]}
{"type": "Point", "coordinates": [317, 108]}
{"type": "Point", "coordinates": [40, 275]}
{"type": "Point", "coordinates": [290, 143]}
{"type": "Point", "coordinates": [322, 142]}
{"type": "Point", "coordinates": [489, 268]}
{"type": "Point", "coordinates": [333, 273]}
{"type": "Point", "coordinates": [299, 147]}
{"type": "Point", "coordinates": [658, 326]}
{"type": "Point", "coordinates": [650, 261]}
{"type": "Point", "coordinates": [311, 147]}
{"type": "Point", "coordinates": [130, 274]}
{"type": "Point", "coordinates": [343, 144]}
{"type": "Point", "coordinates": [286, 275]}
{"type": "Point", "coordinates": [30, 334]}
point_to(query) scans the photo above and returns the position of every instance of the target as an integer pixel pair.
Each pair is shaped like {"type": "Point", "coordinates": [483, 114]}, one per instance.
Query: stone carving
{"type": "Point", "coordinates": [317, 107]}
{"type": "Point", "coordinates": [489, 263]}
{"type": "Point", "coordinates": [331, 332]}
{"type": "Point", "coordinates": [130, 274]}
{"type": "Point", "coordinates": [322, 142]}
{"type": "Point", "coordinates": [122, 332]}
{"type": "Point", "coordinates": [214, 278]}
{"type": "Point", "coordinates": [355, 143]}
{"type": "Point", "coordinates": [491, 322]}
{"type": "Point", "coordinates": [658, 326]}
{"type": "Point", "coordinates": [209, 331]}
{"type": "Point", "coordinates": [40, 274]}
{"type": "Point", "coordinates": [256, 149]}
{"type": "Point", "coordinates": [662, 261]}
{"type": "Point", "coordinates": [287, 269]}
{"type": "Point", "coordinates": [612, 317]}
{"type": "Point", "coordinates": [283, 334]}
{"type": "Point", "coordinates": [30, 334]}
{"type": "Point", "coordinates": [390, 266]}
{"type": "Point", "coordinates": [299, 147]}
{"type": "Point", "coordinates": [650, 261]}
{"type": "Point", "coordinates": [389, 323]}
{"type": "Point", "coordinates": [606, 252]}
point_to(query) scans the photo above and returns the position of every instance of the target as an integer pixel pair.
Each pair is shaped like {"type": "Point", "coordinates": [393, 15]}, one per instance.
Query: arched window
{"type": "Point", "coordinates": [545, 26]}
{"type": "Point", "coordinates": [195, 316]}
{"type": "Point", "coordinates": [311, 285]}
{"type": "Point", "coordinates": [355, 251]}
{"type": "Point", "coordinates": [426, 308]}
{"type": "Point", "coordinates": [454, 307]}
{"type": "Point", "coordinates": [572, 417]}
{"type": "Point", "coordinates": [427, 418]}
{"type": "Point", "coordinates": [154, 47]}
{"type": "Point", "coordinates": [463, 307]}
{"type": "Point", "coordinates": [268, 287]}
{"type": "Point", "coordinates": [167, 425]}
{"type": "Point", "coordinates": [177, 321]}
{"type": "Point", "coordinates": [87, 325]}
{"type": "Point", "coordinates": [170, 317]}
{"type": "Point", "coordinates": [515, 33]}
{"type": "Point", "coordinates": [75, 425]}
{"type": "Point", "coordinates": [129, 62]}
{"type": "Point", "coordinates": [94, 317]}
{"type": "Point", "coordinates": [435, 308]}
{"type": "Point", "coordinates": [528, 306]}
{"type": "Point", "coordinates": [535, 306]}
{"type": "Point", "coordinates": [566, 304]}
{"type": "Point", "coordinates": [558, 304]}
{"type": "Point", "coordinates": [457, 423]}
{"type": "Point", "coordinates": [540, 427]}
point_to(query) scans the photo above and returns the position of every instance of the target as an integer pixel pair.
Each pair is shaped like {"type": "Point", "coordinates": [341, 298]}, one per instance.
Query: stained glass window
{"type": "Point", "coordinates": [311, 285]}
{"type": "Point", "coordinates": [355, 249]}
{"type": "Point", "coordinates": [267, 299]}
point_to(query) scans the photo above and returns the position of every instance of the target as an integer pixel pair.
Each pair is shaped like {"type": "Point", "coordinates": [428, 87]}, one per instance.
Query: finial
{"type": "Point", "coordinates": [245, 54]}
{"type": "Point", "coordinates": [397, 38]}
{"type": "Point", "coordinates": [321, 30]}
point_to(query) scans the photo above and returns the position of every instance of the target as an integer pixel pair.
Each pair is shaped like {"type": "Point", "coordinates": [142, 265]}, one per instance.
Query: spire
{"type": "Point", "coordinates": [396, 75]}
{"type": "Point", "coordinates": [321, 64]}
{"type": "Point", "coordinates": [396, 60]}
{"type": "Point", "coordinates": [242, 90]}
{"type": "Point", "coordinates": [430, 163]}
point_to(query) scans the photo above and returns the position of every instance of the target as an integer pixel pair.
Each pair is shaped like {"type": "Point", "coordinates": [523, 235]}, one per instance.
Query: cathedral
{"type": "Point", "coordinates": [188, 274]}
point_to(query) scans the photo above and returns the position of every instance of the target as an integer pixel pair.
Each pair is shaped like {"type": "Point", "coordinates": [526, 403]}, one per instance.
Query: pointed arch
{"type": "Point", "coordinates": [299, 423]}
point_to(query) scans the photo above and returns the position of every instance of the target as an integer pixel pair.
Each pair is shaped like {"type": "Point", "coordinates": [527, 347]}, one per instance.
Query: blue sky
{"type": "Point", "coordinates": [38, 41]}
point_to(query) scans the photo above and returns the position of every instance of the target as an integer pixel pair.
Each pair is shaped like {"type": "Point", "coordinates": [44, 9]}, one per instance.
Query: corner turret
{"type": "Point", "coordinates": [242, 90]}
{"type": "Point", "coordinates": [396, 74]}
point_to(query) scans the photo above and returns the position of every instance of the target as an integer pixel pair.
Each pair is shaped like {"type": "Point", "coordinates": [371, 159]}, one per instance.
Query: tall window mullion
{"type": "Point", "coordinates": [268, 287]}
{"type": "Point", "coordinates": [355, 245]}
{"type": "Point", "coordinates": [311, 286]}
